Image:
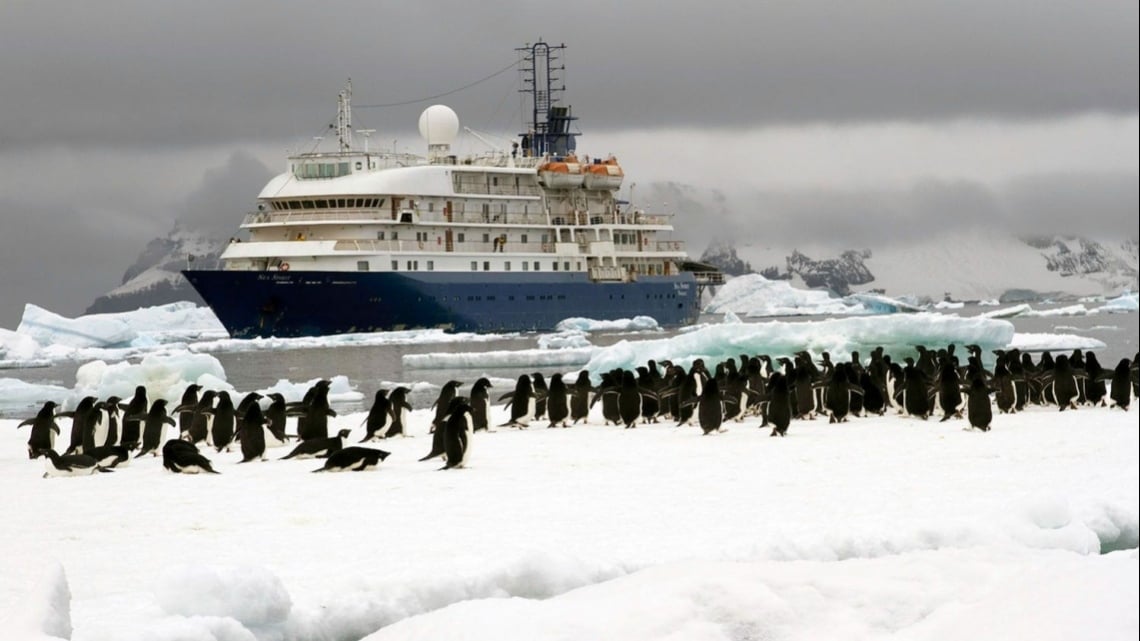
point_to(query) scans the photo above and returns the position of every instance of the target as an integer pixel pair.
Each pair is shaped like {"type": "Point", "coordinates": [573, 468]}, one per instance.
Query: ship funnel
{"type": "Point", "coordinates": [439, 126]}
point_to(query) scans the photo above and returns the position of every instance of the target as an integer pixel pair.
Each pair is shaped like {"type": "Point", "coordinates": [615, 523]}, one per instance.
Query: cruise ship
{"type": "Point", "coordinates": [516, 239]}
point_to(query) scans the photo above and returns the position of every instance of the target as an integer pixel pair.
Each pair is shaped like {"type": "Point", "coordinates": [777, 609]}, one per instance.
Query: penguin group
{"type": "Point", "coordinates": [943, 383]}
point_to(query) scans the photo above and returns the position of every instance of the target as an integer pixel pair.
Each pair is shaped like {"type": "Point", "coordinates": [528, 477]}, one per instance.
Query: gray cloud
{"type": "Point", "coordinates": [145, 73]}
{"type": "Point", "coordinates": [224, 195]}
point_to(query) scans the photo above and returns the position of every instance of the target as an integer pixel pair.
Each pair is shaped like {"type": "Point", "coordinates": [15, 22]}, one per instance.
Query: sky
{"type": "Point", "coordinates": [773, 118]}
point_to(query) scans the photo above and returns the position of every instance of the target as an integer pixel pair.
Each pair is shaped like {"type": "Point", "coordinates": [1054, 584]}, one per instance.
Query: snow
{"type": "Point", "coordinates": [46, 611]}
{"type": "Point", "coordinates": [777, 338]}
{"type": "Point", "coordinates": [884, 527]}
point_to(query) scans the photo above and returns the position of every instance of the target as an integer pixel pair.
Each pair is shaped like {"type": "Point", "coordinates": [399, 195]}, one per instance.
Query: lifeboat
{"type": "Point", "coordinates": [605, 174]}
{"type": "Point", "coordinates": [561, 173]}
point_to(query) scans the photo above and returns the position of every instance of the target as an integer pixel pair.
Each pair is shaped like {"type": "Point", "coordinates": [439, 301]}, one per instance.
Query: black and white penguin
{"type": "Point", "coordinates": [275, 417]}
{"type": "Point", "coordinates": [558, 402]}
{"type": "Point", "coordinates": [1121, 390]}
{"type": "Point", "coordinates": [319, 447]}
{"type": "Point", "coordinates": [313, 414]}
{"type": "Point", "coordinates": [399, 413]}
{"type": "Point", "coordinates": [154, 427]}
{"type": "Point", "coordinates": [111, 456]}
{"type": "Point", "coordinates": [778, 407]}
{"type": "Point", "coordinates": [950, 391]}
{"type": "Point", "coordinates": [355, 459]}
{"type": "Point", "coordinates": [978, 409]}
{"type": "Point", "coordinates": [243, 404]}
{"type": "Point", "coordinates": [200, 416]}
{"type": "Point", "coordinates": [1095, 389]}
{"type": "Point", "coordinates": [838, 391]}
{"type": "Point", "coordinates": [377, 418]}
{"type": "Point", "coordinates": [606, 392]}
{"type": "Point", "coordinates": [107, 433]}
{"type": "Point", "coordinates": [629, 400]}
{"type": "Point", "coordinates": [224, 423]}
{"type": "Point", "coordinates": [133, 419]}
{"type": "Point", "coordinates": [873, 399]}
{"type": "Point", "coordinates": [44, 430]}
{"type": "Point", "coordinates": [580, 397]}
{"type": "Point", "coordinates": [1064, 384]}
{"type": "Point", "coordinates": [189, 401]}
{"type": "Point", "coordinates": [538, 385]}
{"type": "Point", "coordinates": [521, 402]}
{"type": "Point", "coordinates": [916, 392]}
{"type": "Point", "coordinates": [251, 434]}
{"type": "Point", "coordinates": [458, 431]}
{"type": "Point", "coordinates": [82, 420]}
{"type": "Point", "coordinates": [481, 404]}
{"type": "Point", "coordinates": [710, 407]}
{"type": "Point", "coordinates": [442, 403]}
{"type": "Point", "coordinates": [182, 457]}
{"type": "Point", "coordinates": [69, 464]}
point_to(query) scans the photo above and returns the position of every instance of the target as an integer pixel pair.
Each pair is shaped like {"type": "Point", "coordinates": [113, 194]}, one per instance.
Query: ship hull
{"type": "Point", "coordinates": [286, 304]}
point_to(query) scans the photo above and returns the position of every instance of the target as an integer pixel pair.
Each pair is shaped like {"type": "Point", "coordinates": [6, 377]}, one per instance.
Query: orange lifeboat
{"type": "Point", "coordinates": [605, 174]}
{"type": "Point", "coordinates": [561, 173]}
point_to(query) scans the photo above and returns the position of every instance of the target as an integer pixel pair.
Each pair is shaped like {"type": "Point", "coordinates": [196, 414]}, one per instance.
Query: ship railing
{"type": "Point", "coordinates": [279, 217]}
{"type": "Point", "coordinates": [709, 278]}
{"type": "Point", "coordinates": [670, 245]}
{"type": "Point", "coordinates": [440, 245]}
{"type": "Point", "coordinates": [610, 273]}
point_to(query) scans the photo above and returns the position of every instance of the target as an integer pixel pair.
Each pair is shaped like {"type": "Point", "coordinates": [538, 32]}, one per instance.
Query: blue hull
{"type": "Point", "coordinates": [260, 304]}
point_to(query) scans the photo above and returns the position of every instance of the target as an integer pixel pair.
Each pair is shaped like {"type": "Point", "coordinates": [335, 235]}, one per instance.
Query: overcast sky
{"type": "Point", "coordinates": [820, 120]}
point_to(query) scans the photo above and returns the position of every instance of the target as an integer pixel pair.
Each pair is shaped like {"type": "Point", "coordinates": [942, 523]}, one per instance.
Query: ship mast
{"type": "Point", "coordinates": [549, 126]}
{"type": "Point", "coordinates": [344, 118]}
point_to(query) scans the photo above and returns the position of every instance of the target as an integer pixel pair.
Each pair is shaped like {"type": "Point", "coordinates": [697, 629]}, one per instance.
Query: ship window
{"type": "Point", "coordinates": [486, 265]}
{"type": "Point", "coordinates": [579, 267]}
{"type": "Point", "coordinates": [522, 239]}
{"type": "Point", "coordinates": [486, 238]}
{"type": "Point", "coordinates": [495, 181]}
{"type": "Point", "coordinates": [536, 266]}
{"type": "Point", "coordinates": [395, 265]}
{"type": "Point", "coordinates": [431, 207]}
{"type": "Point", "coordinates": [566, 266]}
{"type": "Point", "coordinates": [361, 265]}
{"type": "Point", "coordinates": [507, 266]}
{"type": "Point", "coordinates": [545, 239]}
{"type": "Point", "coordinates": [295, 204]}
{"type": "Point", "coordinates": [554, 265]}
{"type": "Point", "coordinates": [474, 265]}
{"type": "Point", "coordinates": [561, 297]}
{"type": "Point", "coordinates": [308, 204]}
{"type": "Point", "coordinates": [510, 297]}
{"type": "Point", "coordinates": [459, 237]}
{"type": "Point", "coordinates": [431, 265]}
{"type": "Point", "coordinates": [379, 235]}
{"type": "Point", "coordinates": [410, 268]}
{"type": "Point", "coordinates": [530, 297]}
{"type": "Point", "coordinates": [359, 165]}
{"type": "Point", "coordinates": [342, 169]}
{"type": "Point", "coordinates": [395, 235]}
{"type": "Point", "coordinates": [322, 204]}
{"type": "Point", "coordinates": [526, 266]}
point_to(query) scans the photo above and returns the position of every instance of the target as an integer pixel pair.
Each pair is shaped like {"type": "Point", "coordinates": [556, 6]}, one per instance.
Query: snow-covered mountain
{"type": "Point", "coordinates": [971, 265]}
{"type": "Point", "coordinates": [155, 278]}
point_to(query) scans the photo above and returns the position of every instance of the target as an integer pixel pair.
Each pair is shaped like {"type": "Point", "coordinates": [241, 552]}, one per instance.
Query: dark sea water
{"type": "Point", "coordinates": [370, 367]}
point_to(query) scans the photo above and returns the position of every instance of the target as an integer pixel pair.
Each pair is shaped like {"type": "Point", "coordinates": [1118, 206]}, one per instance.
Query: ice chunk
{"type": "Point", "coordinates": [1039, 342]}
{"type": "Point", "coordinates": [879, 304]}
{"type": "Point", "coordinates": [564, 340]}
{"type": "Point", "coordinates": [754, 295]}
{"type": "Point", "coordinates": [528, 358]}
{"type": "Point", "coordinates": [252, 595]}
{"type": "Point", "coordinates": [635, 324]}
{"type": "Point", "coordinates": [96, 330]}
{"type": "Point", "coordinates": [164, 375]}
{"type": "Point", "coordinates": [838, 336]}
{"type": "Point", "coordinates": [1122, 303]}
{"type": "Point", "coordinates": [948, 304]}
{"type": "Point", "coordinates": [1008, 312]}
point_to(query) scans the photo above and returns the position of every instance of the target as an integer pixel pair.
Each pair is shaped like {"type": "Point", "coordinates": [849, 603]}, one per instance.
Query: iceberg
{"type": "Point", "coordinates": [896, 334]}
{"type": "Point", "coordinates": [97, 330]}
{"type": "Point", "coordinates": [754, 295]}
{"type": "Point", "coordinates": [1122, 303]}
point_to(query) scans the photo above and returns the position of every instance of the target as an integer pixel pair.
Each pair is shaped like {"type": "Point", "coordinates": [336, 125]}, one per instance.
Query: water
{"type": "Point", "coordinates": [370, 367]}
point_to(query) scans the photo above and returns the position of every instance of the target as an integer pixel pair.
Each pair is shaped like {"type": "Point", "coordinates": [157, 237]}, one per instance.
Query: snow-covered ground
{"type": "Point", "coordinates": [884, 527]}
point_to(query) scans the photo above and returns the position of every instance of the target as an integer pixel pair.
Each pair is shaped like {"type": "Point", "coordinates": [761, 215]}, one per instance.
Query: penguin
{"type": "Point", "coordinates": [377, 416]}
{"type": "Point", "coordinates": [183, 457]}
{"type": "Point", "coordinates": [69, 464]}
{"type": "Point", "coordinates": [458, 431]}
{"type": "Point", "coordinates": [275, 417]}
{"type": "Point", "coordinates": [710, 408]}
{"type": "Point", "coordinates": [111, 456]}
{"type": "Point", "coordinates": [558, 402]}
{"type": "Point", "coordinates": [896, 381]}
{"type": "Point", "coordinates": [355, 458]}
{"type": "Point", "coordinates": [916, 392]}
{"type": "Point", "coordinates": [44, 430]}
{"type": "Point", "coordinates": [522, 403]}
{"type": "Point", "coordinates": [222, 427]}
{"type": "Point", "coordinates": [538, 384]}
{"type": "Point", "coordinates": [1095, 390]}
{"type": "Point", "coordinates": [978, 409]}
{"type": "Point", "coordinates": [779, 404]}
{"type": "Point", "coordinates": [93, 431]}
{"type": "Point", "coordinates": [480, 404]}
{"type": "Point", "coordinates": [873, 400]}
{"type": "Point", "coordinates": [190, 402]}
{"type": "Point", "coordinates": [580, 397]}
{"type": "Point", "coordinates": [132, 427]}
{"type": "Point", "coordinates": [805, 395]}
{"type": "Point", "coordinates": [442, 403]}
{"type": "Point", "coordinates": [251, 433]}
{"type": "Point", "coordinates": [950, 392]}
{"type": "Point", "coordinates": [650, 403]}
{"type": "Point", "coordinates": [198, 429]}
{"type": "Point", "coordinates": [837, 398]}
{"type": "Point", "coordinates": [314, 413]}
{"type": "Point", "coordinates": [154, 428]}
{"type": "Point", "coordinates": [319, 448]}
{"type": "Point", "coordinates": [1121, 390]}
{"type": "Point", "coordinates": [607, 393]}
{"type": "Point", "coordinates": [1064, 384]}
{"type": "Point", "coordinates": [629, 400]}
{"type": "Point", "coordinates": [109, 434]}
{"type": "Point", "coordinates": [439, 437]}
{"type": "Point", "coordinates": [243, 404]}
{"type": "Point", "coordinates": [399, 411]}
{"type": "Point", "coordinates": [81, 419]}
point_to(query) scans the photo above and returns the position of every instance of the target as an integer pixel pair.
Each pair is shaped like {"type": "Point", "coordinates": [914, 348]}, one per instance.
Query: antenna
{"type": "Point", "coordinates": [344, 117]}
{"type": "Point", "coordinates": [549, 127]}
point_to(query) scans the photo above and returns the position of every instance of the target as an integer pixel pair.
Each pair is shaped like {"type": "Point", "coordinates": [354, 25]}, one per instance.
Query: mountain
{"type": "Point", "coordinates": [155, 278]}
{"type": "Point", "coordinates": [970, 265]}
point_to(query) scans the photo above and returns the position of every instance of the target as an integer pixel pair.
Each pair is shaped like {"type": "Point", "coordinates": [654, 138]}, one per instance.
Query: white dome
{"type": "Point", "coordinates": [439, 125]}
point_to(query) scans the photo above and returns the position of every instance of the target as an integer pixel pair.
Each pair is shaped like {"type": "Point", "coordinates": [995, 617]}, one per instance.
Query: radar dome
{"type": "Point", "coordinates": [439, 125]}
